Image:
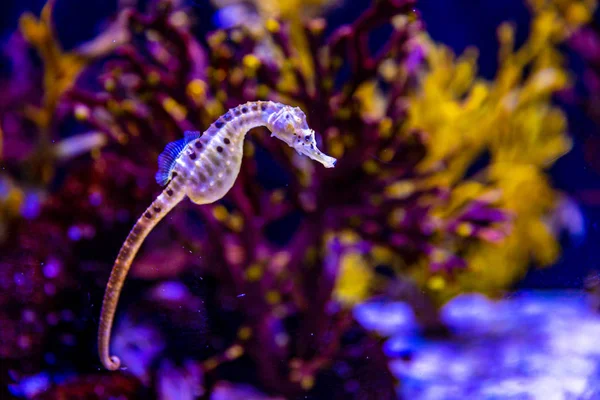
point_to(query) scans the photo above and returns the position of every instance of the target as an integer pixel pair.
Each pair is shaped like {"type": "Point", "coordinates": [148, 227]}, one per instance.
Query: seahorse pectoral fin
{"type": "Point", "coordinates": [166, 160]}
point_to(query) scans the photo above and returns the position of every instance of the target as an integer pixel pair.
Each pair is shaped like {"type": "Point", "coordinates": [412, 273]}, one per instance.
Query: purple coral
{"type": "Point", "coordinates": [586, 41]}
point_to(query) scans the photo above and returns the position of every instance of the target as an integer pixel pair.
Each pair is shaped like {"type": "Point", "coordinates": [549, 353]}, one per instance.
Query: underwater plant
{"type": "Point", "coordinates": [512, 121]}
{"type": "Point", "coordinates": [258, 289]}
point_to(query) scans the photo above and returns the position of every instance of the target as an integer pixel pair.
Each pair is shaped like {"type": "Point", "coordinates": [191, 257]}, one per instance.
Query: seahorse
{"type": "Point", "coordinates": [203, 167]}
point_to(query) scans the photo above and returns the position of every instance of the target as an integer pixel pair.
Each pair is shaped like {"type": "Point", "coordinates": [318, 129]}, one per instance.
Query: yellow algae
{"type": "Point", "coordinates": [513, 119]}
{"type": "Point", "coordinates": [234, 352]}
{"type": "Point", "coordinates": [354, 279]}
{"type": "Point", "coordinates": [371, 100]}
{"type": "Point", "coordinates": [220, 213]}
{"type": "Point", "coordinates": [465, 229]}
{"type": "Point", "coordinates": [307, 382]}
{"type": "Point", "coordinates": [235, 222]}
{"type": "Point", "coordinates": [250, 61]}
{"type": "Point", "coordinates": [436, 283]}
{"type": "Point", "coordinates": [295, 13]}
{"type": "Point", "coordinates": [175, 109]}
{"type": "Point", "coordinates": [244, 333]}
{"type": "Point", "coordinates": [400, 189]}
{"type": "Point", "coordinates": [273, 297]}
{"type": "Point", "coordinates": [254, 272]}
{"type": "Point", "coordinates": [272, 25]}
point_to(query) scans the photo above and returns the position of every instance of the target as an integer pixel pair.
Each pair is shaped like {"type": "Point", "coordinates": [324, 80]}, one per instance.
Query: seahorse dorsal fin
{"type": "Point", "coordinates": [166, 159]}
{"type": "Point", "coordinates": [191, 135]}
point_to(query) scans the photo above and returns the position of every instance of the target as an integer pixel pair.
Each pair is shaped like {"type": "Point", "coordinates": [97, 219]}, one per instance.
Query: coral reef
{"type": "Point", "coordinates": [512, 122]}
{"type": "Point", "coordinates": [257, 291]}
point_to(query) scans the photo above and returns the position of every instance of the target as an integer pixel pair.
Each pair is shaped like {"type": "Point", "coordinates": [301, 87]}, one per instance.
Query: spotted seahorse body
{"type": "Point", "coordinates": [203, 167]}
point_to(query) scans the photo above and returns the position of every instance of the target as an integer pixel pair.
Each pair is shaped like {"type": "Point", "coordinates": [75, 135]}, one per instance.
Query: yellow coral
{"type": "Point", "coordinates": [493, 267]}
{"type": "Point", "coordinates": [439, 110]}
{"type": "Point", "coordinates": [354, 279]}
{"type": "Point", "coordinates": [572, 13]}
{"type": "Point", "coordinates": [60, 68]}
{"type": "Point", "coordinates": [511, 118]}
{"type": "Point", "coordinates": [372, 102]}
{"type": "Point", "coordinates": [290, 9]}
{"type": "Point", "coordinates": [295, 12]}
{"type": "Point", "coordinates": [11, 202]}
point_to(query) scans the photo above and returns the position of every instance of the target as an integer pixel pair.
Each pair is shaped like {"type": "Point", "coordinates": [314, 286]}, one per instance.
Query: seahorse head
{"type": "Point", "coordinates": [289, 125]}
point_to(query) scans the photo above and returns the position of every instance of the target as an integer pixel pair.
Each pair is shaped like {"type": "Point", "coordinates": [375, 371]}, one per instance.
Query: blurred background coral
{"type": "Point", "coordinates": [451, 253]}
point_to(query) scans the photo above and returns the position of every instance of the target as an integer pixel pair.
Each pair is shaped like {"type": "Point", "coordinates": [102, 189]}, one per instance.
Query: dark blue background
{"type": "Point", "coordinates": [457, 23]}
